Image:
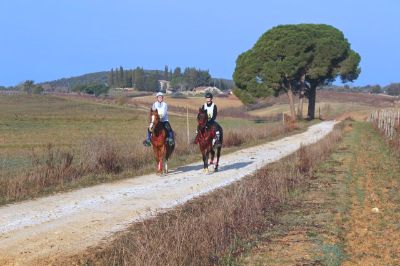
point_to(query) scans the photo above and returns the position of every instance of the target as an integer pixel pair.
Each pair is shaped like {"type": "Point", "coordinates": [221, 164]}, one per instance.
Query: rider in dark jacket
{"type": "Point", "coordinates": [212, 111]}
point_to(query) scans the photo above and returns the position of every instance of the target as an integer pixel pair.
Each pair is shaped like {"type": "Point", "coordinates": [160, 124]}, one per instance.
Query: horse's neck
{"type": "Point", "coordinates": [206, 132]}
{"type": "Point", "coordinates": [158, 128]}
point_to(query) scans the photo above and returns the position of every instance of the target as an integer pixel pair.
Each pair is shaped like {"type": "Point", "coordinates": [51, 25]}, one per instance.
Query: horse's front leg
{"type": "Point", "coordinates": [212, 156]}
{"type": "Point", "coordinates": [205, 161]}
{"type": "Point", "coordinates": [155, 150]}
{"type": "Point", "coordinates": [161, 159]}
{"type": "Point", "coordinates": [158, 157]}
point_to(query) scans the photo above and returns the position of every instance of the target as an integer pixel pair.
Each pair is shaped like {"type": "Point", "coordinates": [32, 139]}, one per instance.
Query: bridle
{"type": "Point", "coordinates": [153, 121]}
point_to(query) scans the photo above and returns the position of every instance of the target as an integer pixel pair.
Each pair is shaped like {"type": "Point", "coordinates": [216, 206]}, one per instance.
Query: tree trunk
{"type": "Point", "coordinates": [301, 98]}
{"type": "Point", "coordinates": [311, 101]}
{"type": "Point", "coordinates": [291, 103]}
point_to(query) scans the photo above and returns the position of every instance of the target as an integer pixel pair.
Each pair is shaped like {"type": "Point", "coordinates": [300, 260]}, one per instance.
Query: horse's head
{"type": "Point", "coordinates": [154, 119]}
{"type": "Point", "coordinates": [202, 118]}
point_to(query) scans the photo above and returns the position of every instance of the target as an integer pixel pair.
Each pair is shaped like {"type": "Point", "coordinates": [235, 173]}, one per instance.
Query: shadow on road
{"type": "Point", "coordinates": [235, 166]}
{"type": "Point", "coordinates": [185, 169]}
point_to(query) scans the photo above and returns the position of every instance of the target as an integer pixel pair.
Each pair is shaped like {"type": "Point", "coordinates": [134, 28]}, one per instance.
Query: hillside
{"type": "Point", "coordinates": [66, 84]}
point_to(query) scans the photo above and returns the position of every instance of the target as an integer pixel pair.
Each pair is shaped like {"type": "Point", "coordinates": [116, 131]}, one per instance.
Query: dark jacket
{"type": "Point", "coordinates": [212, 119]}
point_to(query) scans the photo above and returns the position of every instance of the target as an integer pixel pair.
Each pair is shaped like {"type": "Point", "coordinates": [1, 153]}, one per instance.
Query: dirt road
{"type": "Point", "coordinates": [63, 224]}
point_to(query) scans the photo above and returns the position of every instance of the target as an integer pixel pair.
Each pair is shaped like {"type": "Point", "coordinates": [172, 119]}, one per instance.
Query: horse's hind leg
{"type": "Point", "coordinates": [160, 166]}
{"type": "Point", "coordinates": [169, 151]}
{"type": "Point", "coordinates": [166, 166]}
{"type": "Point", "coordinates": [218, 155]}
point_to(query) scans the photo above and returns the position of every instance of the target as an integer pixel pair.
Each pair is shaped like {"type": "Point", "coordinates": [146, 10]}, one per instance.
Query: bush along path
{"type": "Point", "coordinates": [347, 214]}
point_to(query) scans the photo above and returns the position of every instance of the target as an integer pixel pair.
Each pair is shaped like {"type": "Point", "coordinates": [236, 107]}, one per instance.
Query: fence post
{"type": "Point", "coordinates": [187, 124]}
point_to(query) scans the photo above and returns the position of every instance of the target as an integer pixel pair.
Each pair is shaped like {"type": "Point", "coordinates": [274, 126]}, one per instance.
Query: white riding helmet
{"type": "Point", "coordinates": [160, 94]}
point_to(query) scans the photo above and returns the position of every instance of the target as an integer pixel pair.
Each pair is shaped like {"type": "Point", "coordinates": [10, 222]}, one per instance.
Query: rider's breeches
{"type": "Point", "coordinates": [148, 135]}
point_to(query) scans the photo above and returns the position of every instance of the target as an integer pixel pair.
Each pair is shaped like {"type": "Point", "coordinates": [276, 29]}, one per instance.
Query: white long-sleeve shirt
{"type": "Point", "coordinates": [162, 109]}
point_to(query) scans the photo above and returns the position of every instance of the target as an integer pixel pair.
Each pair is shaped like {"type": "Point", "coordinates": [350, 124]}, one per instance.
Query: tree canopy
{"type": "Point", "coordinates": [94, 89]}
{"type": "Point", "coordinates": [287, 55]}
{"type": "Point", "coordinates": [393, 89]}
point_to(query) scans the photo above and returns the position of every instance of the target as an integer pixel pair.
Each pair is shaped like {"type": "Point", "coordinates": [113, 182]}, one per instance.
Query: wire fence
{"type": "Point", "coordinates": [387, 120]}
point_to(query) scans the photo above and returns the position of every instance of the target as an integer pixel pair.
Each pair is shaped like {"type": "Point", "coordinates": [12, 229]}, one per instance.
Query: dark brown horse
{"type": "Point", "coordinates": [205, 139]}
{"type": "Point", "coordinates": [162, 151]}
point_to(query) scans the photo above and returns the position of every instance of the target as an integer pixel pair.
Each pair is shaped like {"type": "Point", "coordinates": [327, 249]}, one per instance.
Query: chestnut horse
{"type": "Point", "coordinates": [162, 151]}
{"type": "Point", "coordinates": [205, 139]}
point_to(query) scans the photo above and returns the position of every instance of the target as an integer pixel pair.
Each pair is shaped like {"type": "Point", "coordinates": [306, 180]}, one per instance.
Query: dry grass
{"type": "Point", "coordinates": [394, 141]}
{"type": "Point", "coordinates": [211, 229]}
{"type": "Point", "coordinates": [102, 159]}
{"type": "Point", "coordinates": [52, 144]}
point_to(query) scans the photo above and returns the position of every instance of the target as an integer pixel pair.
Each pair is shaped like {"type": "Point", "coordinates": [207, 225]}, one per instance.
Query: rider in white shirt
{"type": "Point", "coordinates": [162, 109]}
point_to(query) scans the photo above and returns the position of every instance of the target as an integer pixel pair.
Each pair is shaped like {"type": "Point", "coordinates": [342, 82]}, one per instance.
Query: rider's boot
{"type": "Point", "coordinates": [170, 140]}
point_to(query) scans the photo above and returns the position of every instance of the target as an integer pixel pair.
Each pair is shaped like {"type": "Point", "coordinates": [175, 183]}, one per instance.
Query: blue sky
{"type": "Point", "coordinates": [50, 39]}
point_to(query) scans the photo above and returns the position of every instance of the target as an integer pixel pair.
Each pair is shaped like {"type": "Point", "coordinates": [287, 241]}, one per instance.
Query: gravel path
{"type": "Point", "coordinates": [69, 222]}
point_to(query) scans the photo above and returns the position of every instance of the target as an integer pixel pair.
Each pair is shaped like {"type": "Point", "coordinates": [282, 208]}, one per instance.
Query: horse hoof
{"type": "Point", "coordinates": [206, 171]}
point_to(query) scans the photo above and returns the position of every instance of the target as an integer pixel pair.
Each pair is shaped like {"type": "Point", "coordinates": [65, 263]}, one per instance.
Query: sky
{"type": "Point", "coordinates": [45, 40]}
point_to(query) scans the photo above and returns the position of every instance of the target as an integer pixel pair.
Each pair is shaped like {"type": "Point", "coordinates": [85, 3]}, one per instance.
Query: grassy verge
{"type": "Point", "coordinates": [346, 214]}
{"type": "Point", "coordinates": [211, 229]}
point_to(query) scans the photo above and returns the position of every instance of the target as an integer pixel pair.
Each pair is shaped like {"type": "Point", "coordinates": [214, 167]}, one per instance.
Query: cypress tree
{"type": "Point", "coordinates": [165, 77]}
{"type": "Point", "coordinates": [121, 77]}
{"type": "Point", "coordinates": [111, 78]}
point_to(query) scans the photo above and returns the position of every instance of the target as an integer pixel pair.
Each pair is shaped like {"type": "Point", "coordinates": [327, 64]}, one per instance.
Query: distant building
{"type": "Point", "coordinates": [164, 85]}
{"type": "Point", "coordinates": [170, 91]}
{"type": "Point", "coordinates": [204, 89]}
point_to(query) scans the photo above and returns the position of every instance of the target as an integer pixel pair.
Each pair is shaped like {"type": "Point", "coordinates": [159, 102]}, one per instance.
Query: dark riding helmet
{"type": "Point", "coordinates": [208, 95]}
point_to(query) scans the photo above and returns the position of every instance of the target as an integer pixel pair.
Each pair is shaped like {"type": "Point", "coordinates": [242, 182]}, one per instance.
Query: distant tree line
{"type": "Point", "coordinates": [92, 89]}
{"type": "Point", "coordinates": [148, 80]}
{"type": "Point", "coordinates": [391, 89]}
{"type": "Point", "coordinates": [4, 88]}
{"type": "Point", "coordinates": [137, 78]}
{"type": "Point", "coordinates": [346, 88]}
{"type": "Point", "coordinates": [30, 87]}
